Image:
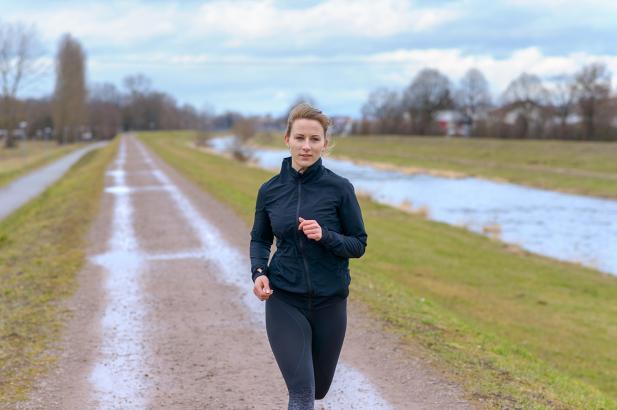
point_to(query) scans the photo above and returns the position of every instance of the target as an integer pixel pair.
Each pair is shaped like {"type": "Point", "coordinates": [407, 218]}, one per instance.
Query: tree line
{"type": "Point", "coordinates": [77, 110]}
{"type": "Point", "coordinates": [578, 106]}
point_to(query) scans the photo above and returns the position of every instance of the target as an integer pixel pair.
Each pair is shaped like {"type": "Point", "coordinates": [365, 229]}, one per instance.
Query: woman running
{"type": "Point", "coordinates": [317, 222]}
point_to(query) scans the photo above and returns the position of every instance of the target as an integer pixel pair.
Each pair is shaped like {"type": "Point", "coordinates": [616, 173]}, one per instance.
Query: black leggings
{"type": "Point", "coordinates": [306, 336]}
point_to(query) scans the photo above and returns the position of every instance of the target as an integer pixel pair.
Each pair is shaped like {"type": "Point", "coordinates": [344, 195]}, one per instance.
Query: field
{"type": "Point", "coordinates": [29, 155]}
{"type": "Point", "coordinates": [42, 247]}
{"type": "Point", "coordinates": [516, 330]}
{"type": "Point", "coordinates": [588, 168]}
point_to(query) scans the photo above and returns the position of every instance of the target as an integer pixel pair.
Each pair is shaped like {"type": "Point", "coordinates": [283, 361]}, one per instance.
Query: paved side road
{"type": "Point", "coordinates": [22, 190]}
{"type": "Point", "coordinates": [164, 317]}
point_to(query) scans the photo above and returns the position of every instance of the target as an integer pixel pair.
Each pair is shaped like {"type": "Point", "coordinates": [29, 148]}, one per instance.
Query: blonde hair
{"type": "Point", "coordinates": [307, 111]}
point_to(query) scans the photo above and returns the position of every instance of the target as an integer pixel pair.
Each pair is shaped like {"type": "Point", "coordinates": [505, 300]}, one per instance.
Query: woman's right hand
{"type": "Point", "coordinates": [262, 288]}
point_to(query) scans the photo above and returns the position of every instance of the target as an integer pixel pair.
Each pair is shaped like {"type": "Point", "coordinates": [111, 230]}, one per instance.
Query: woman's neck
{"type": "Point", "coordinates": [297, 167]}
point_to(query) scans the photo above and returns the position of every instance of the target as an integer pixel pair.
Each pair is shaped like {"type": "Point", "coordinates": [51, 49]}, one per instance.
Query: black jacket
{"type": "Point", "coordinates": [303, 265]}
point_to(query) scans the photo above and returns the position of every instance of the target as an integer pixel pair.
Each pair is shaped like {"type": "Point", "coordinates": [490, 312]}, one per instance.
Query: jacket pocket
{"type": "Point", "coordinates": [285, 273]}
{"type": "Point", "coordinates": [328, 275]}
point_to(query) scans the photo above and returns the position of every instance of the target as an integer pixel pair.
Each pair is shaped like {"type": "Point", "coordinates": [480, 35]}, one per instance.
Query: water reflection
{"type": "Point", "coordinates": [569, 227]}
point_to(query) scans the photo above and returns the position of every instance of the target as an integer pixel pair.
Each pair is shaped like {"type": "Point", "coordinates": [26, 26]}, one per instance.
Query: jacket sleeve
{"type": "Point", "coordinates": [351, 243]}
{"type": "Point", "coordinates": [261, 238]}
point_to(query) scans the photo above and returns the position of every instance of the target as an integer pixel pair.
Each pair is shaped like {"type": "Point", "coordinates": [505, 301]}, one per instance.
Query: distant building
{"type": "Point", "coordinates": [451, 122]}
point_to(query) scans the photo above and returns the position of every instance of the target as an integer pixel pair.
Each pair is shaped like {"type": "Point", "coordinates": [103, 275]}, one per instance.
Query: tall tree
{"type": "Point", "coordinates": [105, 114]}
{"type": "Point", "coordinates": [593, 87]}
{"type": "Point", "coordinates": [135, 115]}
{"type": "Point", "coordinates": [563, 99]}
{"type": "Point", "coordinates": [527, 95]}
{"type": "Point", "coordinates": [383, 108]}
{"type": "Point", "coordinates": [473, 96]}
{"type": "Point", "coordinates": [19, 50]}
{"type": "Point", "coordinates": [70, 114]}
{"type": "Point", "coordinates": [428, 93]}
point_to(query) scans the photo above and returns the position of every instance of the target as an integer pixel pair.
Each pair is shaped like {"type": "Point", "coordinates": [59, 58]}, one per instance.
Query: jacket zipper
{"type": "Point", "coordinates": [306, 269]}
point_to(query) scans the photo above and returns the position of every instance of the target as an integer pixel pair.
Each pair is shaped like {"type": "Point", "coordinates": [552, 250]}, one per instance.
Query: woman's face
{"type": "Point", "coordinates": [306, 142]}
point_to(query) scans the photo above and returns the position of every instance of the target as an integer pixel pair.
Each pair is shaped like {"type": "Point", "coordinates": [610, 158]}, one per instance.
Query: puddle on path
{"type": "Point", "coordinates": [118, 377]}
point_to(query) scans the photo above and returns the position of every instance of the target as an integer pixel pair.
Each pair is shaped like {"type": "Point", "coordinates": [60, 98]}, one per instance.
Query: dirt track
{"type": "Point", "coordinates": [164, 316]}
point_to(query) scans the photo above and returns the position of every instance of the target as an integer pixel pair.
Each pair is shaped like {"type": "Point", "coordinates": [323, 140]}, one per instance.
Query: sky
{"type": "Point", "coordinates": [257, 56]}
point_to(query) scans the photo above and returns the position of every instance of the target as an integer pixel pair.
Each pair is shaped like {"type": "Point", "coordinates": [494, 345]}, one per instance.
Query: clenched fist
{"type": "Point", "coordinates": [262, 288]}
{"type": "Point", "coordinates": [311, 228]}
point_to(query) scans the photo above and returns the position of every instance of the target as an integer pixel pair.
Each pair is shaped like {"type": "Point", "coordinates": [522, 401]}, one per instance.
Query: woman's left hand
{"type": "Point", "coordinates": [311, 228]}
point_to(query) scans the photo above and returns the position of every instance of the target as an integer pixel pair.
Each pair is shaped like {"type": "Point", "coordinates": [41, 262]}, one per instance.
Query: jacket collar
{"type": "Point", "coordinates": [311, 173]}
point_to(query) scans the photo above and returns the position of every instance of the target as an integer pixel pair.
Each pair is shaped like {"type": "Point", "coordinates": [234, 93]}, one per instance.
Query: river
{"type": "Point", "coordinates": [574, 228]}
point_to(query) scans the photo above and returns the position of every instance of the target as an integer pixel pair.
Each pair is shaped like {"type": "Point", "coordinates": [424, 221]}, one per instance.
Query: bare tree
{"type": "Point", "coordinates": [19, 49]}
{"type": "Point", "coordinates": [593, 86]}
{"type": "Point", "coordinates": [563, 99]}
{"type": "Point", "coordinates": [138, 84]}
{"type": "Point", "coordinates": [384, 109]}
{"type": "Point", "coordinates": [527, 96]}
{"type": "Point", "coordinates": [38, 114]}
{"type": "Point", "coordinates": [147, 109]}
{"type": "Point", "coordinates": [473, 96]}
{"type": "Point", "coordinates": [105, 113]}
{"type": "Point", "coordinates": [428, 93]}
{"type": "Point", "coordinates": [244, 129]}
{"type": "Point", "coordinates": [70, 114]}
{"type": "Point", "coordinates": [134, 113]}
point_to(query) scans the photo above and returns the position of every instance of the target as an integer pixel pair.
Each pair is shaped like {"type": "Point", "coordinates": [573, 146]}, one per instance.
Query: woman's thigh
{"type": "Point", "coordinates": [329, 325]}
{"type": "Point", "coordinates": [290, 334]}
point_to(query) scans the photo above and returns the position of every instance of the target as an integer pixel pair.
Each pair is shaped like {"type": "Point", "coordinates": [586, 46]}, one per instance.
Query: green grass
{"type": "Point", "coordinates": [42, 247]}
{"type": "Point", "coordinates": [516, 330]}
{"type": "Point", "coordinates": [587, 168]}
{"type": "Point", "coordinates": [28, 156]}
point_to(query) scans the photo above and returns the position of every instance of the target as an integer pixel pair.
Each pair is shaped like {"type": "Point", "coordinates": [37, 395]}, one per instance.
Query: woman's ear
{"type": "Point", "coordinates": [286, 139]}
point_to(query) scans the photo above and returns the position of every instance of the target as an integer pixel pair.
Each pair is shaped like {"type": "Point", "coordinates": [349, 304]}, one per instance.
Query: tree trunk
{"type": "Point", "coordinates": [9, 123]}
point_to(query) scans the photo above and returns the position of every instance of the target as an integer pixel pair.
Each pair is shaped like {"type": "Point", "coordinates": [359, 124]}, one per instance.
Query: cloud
{"type": "Point", "coordinates": [342, 82]}
{"type": "Point", "coordinates": [249, 55]}
{"type": "Point", "coordinates": [498, 71]}
{"type": "Point", "coordinates": [113, 23]}
{"type": "Point", "coordinates": [247, 21]}
{"type": "Point", "coordinates": [232, 24]}
{"type": "Point", "coordinates": [405, 62]}
{"type": "Point", "coordinates": [565, 5]}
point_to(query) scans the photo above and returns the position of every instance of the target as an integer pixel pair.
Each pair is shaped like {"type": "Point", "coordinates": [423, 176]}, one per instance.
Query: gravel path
{"type": "Point", "coordinates": [164, 317]}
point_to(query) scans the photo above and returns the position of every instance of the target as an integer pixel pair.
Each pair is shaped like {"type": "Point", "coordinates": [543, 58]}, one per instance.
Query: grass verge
{"type": "Point", "coordinates": [587, 168]}
{"type": "Point", "coordinates": [515, 329]}
{"type": "Point", "coordinates": [28, 156]}
{"type": "Point", "coordinates": [42, 247]}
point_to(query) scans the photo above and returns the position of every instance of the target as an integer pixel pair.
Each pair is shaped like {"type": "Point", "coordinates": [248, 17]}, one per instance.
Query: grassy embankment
{"type": "Point", "coordinates": [42, 247]}
{"type": "Point", "coordinates": [587, 168]}
{"type": "Point", "coordinates": [516, 330]}
{"type": "Point", "coordinates": [28, 156]}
